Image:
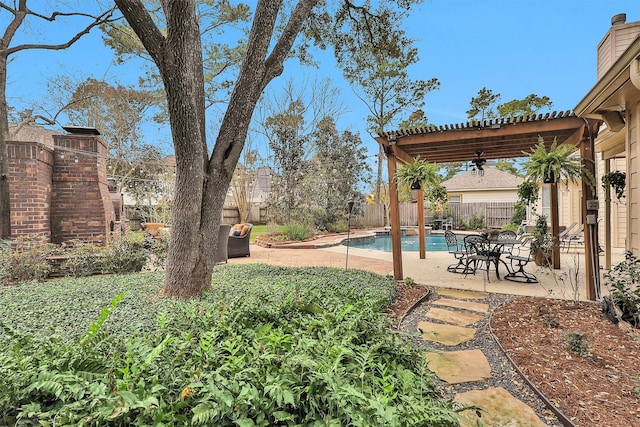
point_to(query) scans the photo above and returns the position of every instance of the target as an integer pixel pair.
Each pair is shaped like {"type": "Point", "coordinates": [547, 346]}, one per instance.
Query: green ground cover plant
{"type": "Point", "coordinates": [266, 346]}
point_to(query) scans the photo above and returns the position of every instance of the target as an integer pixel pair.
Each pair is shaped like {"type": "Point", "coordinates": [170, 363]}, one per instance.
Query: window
{"type": "Point", "coordinates": [546, 202]}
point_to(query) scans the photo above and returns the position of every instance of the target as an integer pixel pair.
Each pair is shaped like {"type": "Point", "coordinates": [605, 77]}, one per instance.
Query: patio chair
{"type": "Point", "coordinates": [519, 258]}
{"type": "Point", "coordinates": [447, 224]}
{"type": "Point", "coordinates": [481, 253]}
{"type": "Point", "coordinates": [510, 236]}
{"type": "Point", "coordinates": [457, 249]}
{"type": "Point", "coordinates": [238, 245]}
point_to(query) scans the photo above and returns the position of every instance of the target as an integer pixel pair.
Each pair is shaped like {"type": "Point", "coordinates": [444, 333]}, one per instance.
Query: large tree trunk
{"type": "Point", "coordinates": [201, 183]}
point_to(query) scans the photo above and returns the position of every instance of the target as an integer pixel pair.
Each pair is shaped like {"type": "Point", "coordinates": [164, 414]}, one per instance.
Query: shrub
{"type": "Point", "coordinates": [267, 346]}
{"type": "Point", "coordinates": [519, 214]}
{"type": "Point", "coordinates": [296, 231]}
{"type": "Point", "coordinates": [125, 255]}
{"type": "Point", "coordinates": [81, 258]}
{"type": "Point", "coordinates": [578, 343]}
{"type": "Point", "coordinates": [623, 281]}
{"type": "Point", "coordinates": [476, 221]}
{"type": "Point", "coordinates": [28, 260]}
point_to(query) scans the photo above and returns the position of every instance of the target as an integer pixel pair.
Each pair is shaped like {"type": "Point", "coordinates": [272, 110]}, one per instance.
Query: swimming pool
{"type": "Point", "coordinates": [382, 242]}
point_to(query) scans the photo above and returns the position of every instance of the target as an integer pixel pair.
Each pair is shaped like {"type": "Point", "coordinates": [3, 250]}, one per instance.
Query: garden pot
{"type": "Point", "coordinates": [542, 258]}
{"type": "Point", "coordinates": [415, 185]}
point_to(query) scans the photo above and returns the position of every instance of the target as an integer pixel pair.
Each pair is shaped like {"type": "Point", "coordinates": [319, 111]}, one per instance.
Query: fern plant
{"type": "Point", "coordinates": [417, 174]}
{"type": "Point", "coordinates": [555, 165]}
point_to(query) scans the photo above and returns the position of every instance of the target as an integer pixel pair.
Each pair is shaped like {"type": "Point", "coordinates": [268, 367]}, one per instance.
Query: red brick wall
{"type": "Point", "coordinates": [30, 171]}
{"type": "Point", "coordinates": [81, 206]}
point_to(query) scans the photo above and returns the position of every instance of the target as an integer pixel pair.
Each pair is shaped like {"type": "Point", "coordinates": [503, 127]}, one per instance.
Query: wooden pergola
{"type": "Point", "coordinates": [497, 139]}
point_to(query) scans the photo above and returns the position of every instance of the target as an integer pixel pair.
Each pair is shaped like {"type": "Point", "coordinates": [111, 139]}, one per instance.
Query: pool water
{"type": "Point", "coordinates": [434, 243]}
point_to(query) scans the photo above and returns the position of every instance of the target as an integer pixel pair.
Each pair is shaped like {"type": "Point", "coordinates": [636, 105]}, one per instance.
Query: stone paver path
{"type": "Point", "coordinates": [450, 321]}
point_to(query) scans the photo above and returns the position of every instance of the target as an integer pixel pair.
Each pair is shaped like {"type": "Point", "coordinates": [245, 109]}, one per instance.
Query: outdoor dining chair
{"type": "Point", "coordinates": [510, 237]}
{"type": "Point", "coordinates": [447, 224]}
{"type": "Point", "coordinates": [519, 258]}
{"type": "Point", "coordinates": [457, 249]}
{"type": "Point", "coordinates": [481, 254]}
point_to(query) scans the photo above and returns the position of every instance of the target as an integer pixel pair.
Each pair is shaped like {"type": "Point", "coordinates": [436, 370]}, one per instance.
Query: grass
{"type": "Point", "coordinates": [261, 229]}
{"type": "Point", "coordinates": [267, 345]}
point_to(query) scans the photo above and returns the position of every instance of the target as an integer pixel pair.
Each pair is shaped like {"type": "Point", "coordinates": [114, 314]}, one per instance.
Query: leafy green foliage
{"type": "Point", "coordinates": [578, 343]}
{"type": "Point", "coordinates": [482, 105]}
{"type": "Point", "coordinates": [616, 180]}
{"type": "Point", "coordinates": [555, 165]}
{"type": "Point", "coordinates": [477, 221]}
{"type": "Point", "coordinates": [531, 104]}
{"type": "Point", "coordinates": [27, 261]}
{"type": "Point", "coordinates": [268, 345]}
{"type": "Point", "coordinates": [418, 173]}
{"type": "Point", "coordinates": [296, 231]}
{"type": "Point", "coordinates": [623, 281]}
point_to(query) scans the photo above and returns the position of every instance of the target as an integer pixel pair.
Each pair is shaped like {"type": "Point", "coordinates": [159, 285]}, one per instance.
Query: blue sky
{"type": "Point", "coordinates": [513, 47]}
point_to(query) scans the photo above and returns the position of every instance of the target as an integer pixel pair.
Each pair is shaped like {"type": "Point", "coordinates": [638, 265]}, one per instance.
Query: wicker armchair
{"type": "Point", "coordinates": [238, 246]}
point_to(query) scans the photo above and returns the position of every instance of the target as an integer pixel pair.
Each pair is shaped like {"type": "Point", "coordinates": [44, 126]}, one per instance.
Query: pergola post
{"type": "Point", "coordinates": [421, 223]}
{"type": "Point", "coordinates": [589, 216]}
{"type": "Point", "coordinates": [394, 213]}
{"type": "Point", "coordinates": [555, 226]}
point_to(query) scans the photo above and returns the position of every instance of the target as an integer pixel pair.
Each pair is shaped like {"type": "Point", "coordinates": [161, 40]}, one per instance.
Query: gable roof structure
{"type": "Point", "coordinates": [493, 179]}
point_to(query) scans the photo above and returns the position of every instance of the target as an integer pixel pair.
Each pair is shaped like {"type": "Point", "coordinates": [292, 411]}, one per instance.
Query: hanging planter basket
{"type": "Point", "coordinates": [616, 180]}
{"type": "Point", "coordinates": [415, 185]}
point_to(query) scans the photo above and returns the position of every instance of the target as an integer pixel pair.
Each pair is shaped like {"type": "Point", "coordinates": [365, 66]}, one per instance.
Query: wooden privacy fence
{"type": "Point", "coordinates": [493, 214]}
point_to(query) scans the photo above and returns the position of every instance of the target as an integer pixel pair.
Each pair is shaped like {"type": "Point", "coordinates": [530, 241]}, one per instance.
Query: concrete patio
{"type": "Point", "coordinates": [566, 283]}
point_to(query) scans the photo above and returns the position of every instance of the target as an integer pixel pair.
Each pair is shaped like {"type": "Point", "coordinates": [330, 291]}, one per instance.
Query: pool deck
{"type": "Point", "coordinates": [431, 271]}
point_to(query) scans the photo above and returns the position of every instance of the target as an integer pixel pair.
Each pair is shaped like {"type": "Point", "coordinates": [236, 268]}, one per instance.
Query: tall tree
{"type": "Point", "coordinates": [201, 180]}
{"type": "Point", "coordinates": [17, 17]}
{"type": "Point", "coordinates": [482, 105]}
{"type": "Point", "coordinates": [531, 104]}
{"type": "Point", "coordinates": [376, 62]}
{"type": "Point", "coordinates": [288, 143]}
{"type": "Point", "coordinates": [337, 170]}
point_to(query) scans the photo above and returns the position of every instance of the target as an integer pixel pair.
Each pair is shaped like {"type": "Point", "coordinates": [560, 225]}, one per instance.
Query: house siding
{"type": "Point", "coordinates": [488, 196]}
{"type": "Point", "coordinates": [613, 45]}
{"type": "Point", "coordinates": [633, 186]}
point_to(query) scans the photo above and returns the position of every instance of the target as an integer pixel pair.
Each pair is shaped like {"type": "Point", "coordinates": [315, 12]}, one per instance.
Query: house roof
{"type": "Point", "coordinates": [493, 179]}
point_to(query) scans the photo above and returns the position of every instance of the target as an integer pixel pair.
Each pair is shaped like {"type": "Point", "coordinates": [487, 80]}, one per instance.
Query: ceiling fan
{"type": "Point", "coordinates": [477, 164]}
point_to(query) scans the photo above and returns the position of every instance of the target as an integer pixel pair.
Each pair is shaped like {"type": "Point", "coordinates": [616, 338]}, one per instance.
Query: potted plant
{"type": "Point", "coordinates": [528, 193]}
{"type": "Point", "coordinates": [554, 165]}
{"type": "Point", "coordinates": [541, 242]}
{"type": "Point", "coordinates": [616, 180]}
{"type": "Point", "coordinates": [417, 174]}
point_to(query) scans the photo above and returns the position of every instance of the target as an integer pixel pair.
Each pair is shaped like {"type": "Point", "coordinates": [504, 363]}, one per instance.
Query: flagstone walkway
{"type": "Point", "coordinates": [450, 323]}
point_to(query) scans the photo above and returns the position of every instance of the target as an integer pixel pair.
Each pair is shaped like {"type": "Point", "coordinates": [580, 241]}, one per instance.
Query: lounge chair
{"type": "Point", "coordinates": [576, 238]}
{"type": "Point", "coordinates": [238, 245]}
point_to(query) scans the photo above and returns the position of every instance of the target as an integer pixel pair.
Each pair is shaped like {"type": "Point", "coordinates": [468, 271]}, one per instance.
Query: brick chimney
{"type": "Point", "coordinates": [81, 206]}
{"type": "Point", "coordinates": [30, 169]}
